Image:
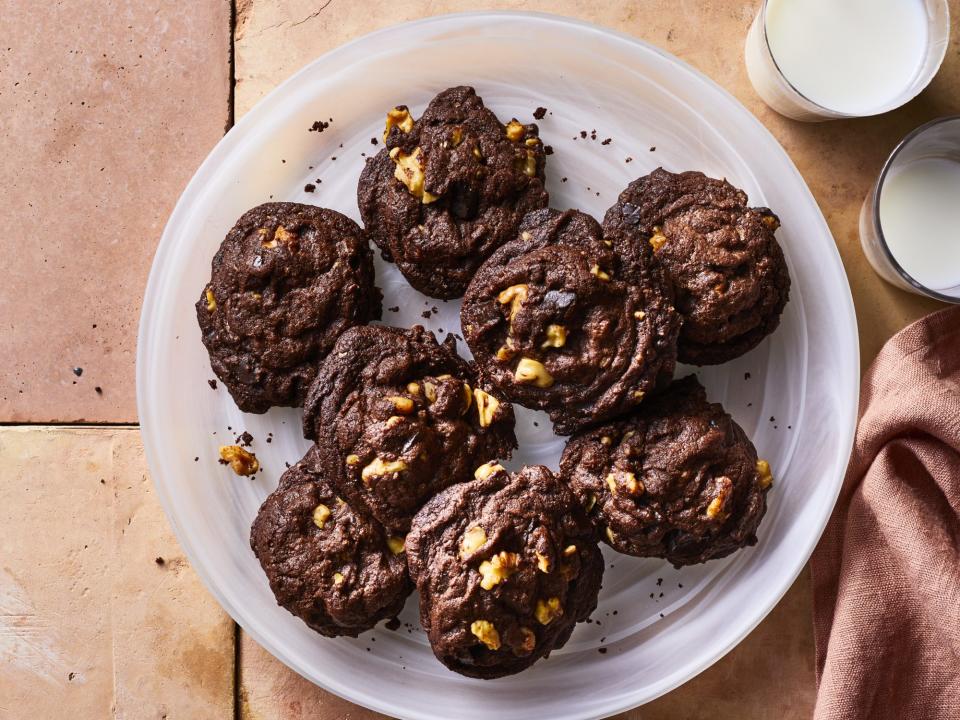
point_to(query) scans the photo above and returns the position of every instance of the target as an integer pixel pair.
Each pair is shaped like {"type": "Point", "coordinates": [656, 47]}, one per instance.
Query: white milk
{"type": "Point", "coordinates": [853, 56]}
{"type": "Point", "coordinates": [920, 219]}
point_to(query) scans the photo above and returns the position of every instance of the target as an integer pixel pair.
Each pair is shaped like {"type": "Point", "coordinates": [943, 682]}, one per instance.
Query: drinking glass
{"type": "Point", "coordinates": [775, 89]}
{"type": "Point", "coordinates": [938, 139]}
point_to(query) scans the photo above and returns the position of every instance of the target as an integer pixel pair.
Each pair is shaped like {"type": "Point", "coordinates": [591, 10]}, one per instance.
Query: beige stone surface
{"type": "Point", "coordinates": [839, 159]}
{"type": "Point", "coordinates": [106, 110]}
{"type": "Point", "coordinates": [90, 623]}
{"type": "Point", "coordinates": [769, 675]}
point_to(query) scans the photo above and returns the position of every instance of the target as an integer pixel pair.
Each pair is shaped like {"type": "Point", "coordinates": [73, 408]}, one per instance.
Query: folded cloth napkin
{"type": "Point", "coordinates": [886, 573]}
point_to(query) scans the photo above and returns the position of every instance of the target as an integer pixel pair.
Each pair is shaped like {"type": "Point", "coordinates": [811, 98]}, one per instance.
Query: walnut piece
{"type": "Point", "coordinates": [396, 544]}
{"type": "Point", "coordinates": [486, 470]}
{"type": "Point", "coordinates": [765, 473]}
{"type": "Point", "coordinates": [621, 479]}
{"type": "Point", "coordinates": [487, 406]}
{"type": "Point", "coordinates": [548, 611]}
{"type": "Point", "coordinates": [243, 462]}
{"type": "Point", "coordinates": [532, 371]}
{"type": "Point", "coordinates": [321, 513]}
{"type": "Point", "coordinates": [403, 405]}
{"type": "Point", "coordinates": [515, 130]}
{"type": "Point", "coordinates": [381, 468]}
{"type": "Point", "coordinates": [486, 633]}
{"type": "Point", "coordinates": [556, 337]}
{"type": "Point", "coordinates": [497, 569]}
{"type": "Point", "coordinates": [472, 540]}
{"type": "Point", "coordinates": [514, 296]}
{"type": "Point", "coordinates": [398, 117]}
{"type": "Point", "coordinates": [409, 171]}
{"type": "Point", "coordinates": [657, 239]}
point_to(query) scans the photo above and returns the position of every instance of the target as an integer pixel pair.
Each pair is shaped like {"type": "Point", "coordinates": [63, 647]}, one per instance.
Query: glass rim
{"type": "Point", "coordinates": [875, 210]}
{"type": "Point", "coordinates": [823, 109]}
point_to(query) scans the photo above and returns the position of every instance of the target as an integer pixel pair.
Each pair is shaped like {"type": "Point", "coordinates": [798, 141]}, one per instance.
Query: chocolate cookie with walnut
{"type": "Point", "coordinates": [505, 565]}
{"type": "Point", "coordinates": [450, 188]}
{"type": "Point", "coordinates": [398, 417]}
{"type": "Point", "coordinates": [285, 282]}
{"type": "Point", "coordinates": [559, 322]}
{"type": "Point", "coordinates": [677, 479]}
{"type": "Point", "coordinates": [729, 274]}
{"type": "Point", "coordinates": [330, 564]}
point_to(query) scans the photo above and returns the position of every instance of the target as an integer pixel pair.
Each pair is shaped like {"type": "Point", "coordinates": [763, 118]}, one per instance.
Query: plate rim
{"type": "Point", "coordinates": [250, 118]}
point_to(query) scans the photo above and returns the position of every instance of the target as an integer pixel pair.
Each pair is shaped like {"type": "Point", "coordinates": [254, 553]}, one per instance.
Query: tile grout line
{"type": "Point", "coordinates": [76, 424]}
{"type": "Point", "coordinates": [231, 118]}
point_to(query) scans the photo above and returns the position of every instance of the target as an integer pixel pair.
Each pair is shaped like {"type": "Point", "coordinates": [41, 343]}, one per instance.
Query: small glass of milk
{"type": "Point", "coordinates": [825, 59]}
{"type": "Point", "coordinates": [910, 221]}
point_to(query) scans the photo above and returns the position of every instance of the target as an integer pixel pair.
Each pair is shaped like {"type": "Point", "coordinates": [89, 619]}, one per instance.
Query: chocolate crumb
{"type": "Point", "coordinates": [392, 623]}
{"type": "Point", "coordinates": [309, 187]}
{"type": "Point", "coordinates": [425, 314]}
{"type": "Point", "coordinates": [212, 384]}
{"type": "Point", "coordinates": [563, 179]}
{"type": "Point", "coordinates": [607, 141]}
{"type": "Point", "coordinates": [98, 390]}
{"type": "Point", "coordinates": [318, 126]}
{"type": "Point", "coordinates": [245, 439]}
{"type": "Point", "coordinates": [160, 561]}
{"type": "Point", "coordinates": [746, 376]}
{"type": "Point", "coordinates": [395, 308]}
{"type": "Point", "coordinates": [583, 133]}
{"type": "Point", "coordinates": [78, 371]}
{"type": "Point", "coordinates": [548, 149]}
{"type": "Point", "coordinates": [374, 141]}
{"type": "Point", "coordinates": [539, 113]}
{"type": "Point", "coordinates": [653, 149]}
{"type": "Point", "coordinates": [602, 651]}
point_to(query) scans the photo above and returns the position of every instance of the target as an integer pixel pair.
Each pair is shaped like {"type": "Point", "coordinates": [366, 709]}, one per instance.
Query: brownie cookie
{"type": "Point", "coordinates": [330, 564]}
{"type": "Point", "coordinates": [559, 322]}
{"type": "Point", "coordinates": [506, 565]}
{"type": "Point", "coordinates": [286, 281]}
{"type": "Point", "coordinates": [729, 274]}
{"type": "Point", "coordinates": [450, 188]}
{"type": "Point", "coordinates": [678, 479]}
{"type": "Point", "coordinates": [398, 417]}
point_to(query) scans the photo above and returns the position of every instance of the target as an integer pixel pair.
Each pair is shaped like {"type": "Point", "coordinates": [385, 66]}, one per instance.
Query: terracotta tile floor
{"type": "Point", "coordinates": [103, 123]}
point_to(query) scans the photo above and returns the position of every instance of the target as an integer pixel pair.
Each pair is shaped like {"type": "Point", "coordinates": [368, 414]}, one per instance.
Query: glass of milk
{"type": "Point", "coordinates": [824, 59]}
{"type": "Point", "coordinates": [910, 221]}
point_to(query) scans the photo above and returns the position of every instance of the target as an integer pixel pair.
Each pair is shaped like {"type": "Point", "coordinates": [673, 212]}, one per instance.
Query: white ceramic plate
{"type": "Point", "coordinates": [798, 404]}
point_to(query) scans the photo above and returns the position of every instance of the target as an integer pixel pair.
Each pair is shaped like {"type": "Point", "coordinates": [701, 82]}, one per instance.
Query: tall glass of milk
{"type": "Point", "coordinates": [824, 59]}
{"type": "Point", "coordinates": [910, 221]}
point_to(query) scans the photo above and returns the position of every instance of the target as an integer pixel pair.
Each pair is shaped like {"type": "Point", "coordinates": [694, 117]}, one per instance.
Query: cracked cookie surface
{"type": "Point", "coordinates": [560, 322]}
{"type": "Point", "coordinates": [677, 479]}
{"type": "Point", "coordinates": [285, 282]}
{"type": "Point", "coordinates": [398, 417]}
{"type": "Point", "coordinates": [450, 188]}
{"type": "Point", "coordinates": [334, 567]}
{"type": "Point", "coordinates": [506, 565]}
{"type": "Point", "coordinates": [729, 274]}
